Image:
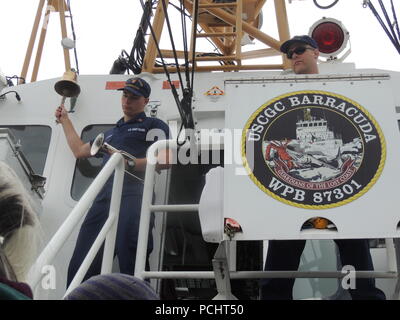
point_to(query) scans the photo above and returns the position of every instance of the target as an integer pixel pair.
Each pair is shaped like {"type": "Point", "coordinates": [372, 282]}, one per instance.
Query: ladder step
{"type": "Point", "coordinates": [217, 5]}
{"type": "Point", "coordinates": [216, 34]}
{"type": "Point", "coordinates": [216, 58]}
{"type": "Point", "coordinates": [225, 68]}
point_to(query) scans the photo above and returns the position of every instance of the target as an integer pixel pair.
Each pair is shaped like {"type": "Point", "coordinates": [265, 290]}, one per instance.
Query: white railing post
{"type": "Point", "coordinates": [391, 255]}
{"type": "Point", "coordinates": [108, 232]}
{"type": "Point", "coordinates": [145, 213]}
{"type": "Point", "coordinates": [57, 241]}
{"type": "Point", "coordinates": [109, 245]}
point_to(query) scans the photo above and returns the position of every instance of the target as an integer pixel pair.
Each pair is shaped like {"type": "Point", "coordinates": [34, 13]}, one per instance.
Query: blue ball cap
{"type": "Point", "coordinates": [302, 39]}
{"type": "Point", "coordinates": [137, 86]}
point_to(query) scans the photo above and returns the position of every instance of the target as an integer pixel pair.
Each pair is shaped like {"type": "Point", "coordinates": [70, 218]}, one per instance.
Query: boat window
{"type": "Point", "coordinates": [87, 169]}
{"type": "Point", "coordinates": [34, 141]}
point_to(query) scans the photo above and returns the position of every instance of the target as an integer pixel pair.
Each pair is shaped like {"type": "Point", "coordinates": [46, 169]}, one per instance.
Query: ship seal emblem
{"type": "Point", "coordinates": [313, 149]}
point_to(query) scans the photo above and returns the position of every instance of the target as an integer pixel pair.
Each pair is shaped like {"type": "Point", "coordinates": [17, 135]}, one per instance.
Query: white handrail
{"type": "Point", "coordinates": [144, 224]}
{"type": "Point", "coordinates": [147, 208]}
{"type": "Point", "coordinates": [107, 233]}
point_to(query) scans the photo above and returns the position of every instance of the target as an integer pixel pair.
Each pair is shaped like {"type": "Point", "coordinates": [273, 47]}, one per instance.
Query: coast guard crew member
{"type": "Point", "coordinates": [302, 51]}
{"type": "Point", "coordinates": [130, 135]}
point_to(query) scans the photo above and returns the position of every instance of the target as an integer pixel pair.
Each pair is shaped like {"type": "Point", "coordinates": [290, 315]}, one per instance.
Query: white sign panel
{"type": "Point", "coordinates": [313, 150]}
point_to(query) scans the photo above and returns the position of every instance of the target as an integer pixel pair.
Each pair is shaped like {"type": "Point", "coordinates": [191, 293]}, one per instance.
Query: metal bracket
{"type": "Point", "coordinates": [311, 78]}
{"type": "Point", "coordinates": [221, 273]}
{"type": "Point", "coordinates": [153, 108]}
{"type": "Point", "coordinates": [72, 104]}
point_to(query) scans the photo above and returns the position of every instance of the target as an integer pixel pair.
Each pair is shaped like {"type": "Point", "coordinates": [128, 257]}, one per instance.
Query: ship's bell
{"type": "Point", "coordinates": [67, 86]}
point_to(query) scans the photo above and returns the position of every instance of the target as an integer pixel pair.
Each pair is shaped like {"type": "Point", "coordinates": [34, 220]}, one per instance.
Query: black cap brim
{"type": "Point", "coordinates": [297, 39]}
{"type": "Point", "coordinates": [132, 90]}
{"type": "Point", "coordinates": [287, 44]}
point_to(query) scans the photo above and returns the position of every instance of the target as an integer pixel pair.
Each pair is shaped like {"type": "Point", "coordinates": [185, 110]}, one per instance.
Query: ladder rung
{"type": "Point", "coordinates": [216, 58]}
{"type": "Point", "coordinates": [216, 34]}
{"type": "Point", "coordinates": [217, 5]}
{"type": "Point", "coordinates": [224, 68]}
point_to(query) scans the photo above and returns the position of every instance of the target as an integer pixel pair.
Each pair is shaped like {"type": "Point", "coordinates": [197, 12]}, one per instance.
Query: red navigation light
{"type": "Point", "coordinates": [330, 35]}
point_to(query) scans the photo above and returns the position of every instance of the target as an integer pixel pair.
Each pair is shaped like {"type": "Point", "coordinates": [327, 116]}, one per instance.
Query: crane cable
{"type": "Point", "coordinates": [326, 7]}
{"type": "Point", "coordinates": [173, 88]}
{"type": "Point", "coordinates": [184, 105]}
{"type": "Point", "coordinates": [172, 43]}
{"type": "Point", "coordinates": [389, 29]}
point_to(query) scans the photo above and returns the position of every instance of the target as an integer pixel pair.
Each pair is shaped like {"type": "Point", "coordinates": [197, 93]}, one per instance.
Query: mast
{"type": "Point", "coordinates": [224, 24]}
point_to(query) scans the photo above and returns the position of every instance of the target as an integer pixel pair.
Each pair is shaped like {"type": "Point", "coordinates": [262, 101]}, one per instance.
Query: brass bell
{"type": "Point", "coordinates": [67, 86]}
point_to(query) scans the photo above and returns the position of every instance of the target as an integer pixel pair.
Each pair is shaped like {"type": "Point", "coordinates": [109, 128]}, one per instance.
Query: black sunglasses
{"type": "Point", "coordinates": [298, 51]}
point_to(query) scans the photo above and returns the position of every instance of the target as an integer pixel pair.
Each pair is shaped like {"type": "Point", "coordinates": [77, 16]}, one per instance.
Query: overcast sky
{"type": "Point", "coordinates": [103, 28]}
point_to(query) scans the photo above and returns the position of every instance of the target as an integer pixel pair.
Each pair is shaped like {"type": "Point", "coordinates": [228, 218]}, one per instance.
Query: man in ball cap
{"type": "Point", "coordinates": [137, 86]}
{"type": "Point", "coordinates": [130, 134]}
{"type": "Point", "coordinates": [302, 51]}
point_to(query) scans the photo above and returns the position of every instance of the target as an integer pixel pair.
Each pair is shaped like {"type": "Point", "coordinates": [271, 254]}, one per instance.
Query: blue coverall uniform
{"type": "Point", "coordinates": [129, 136]}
